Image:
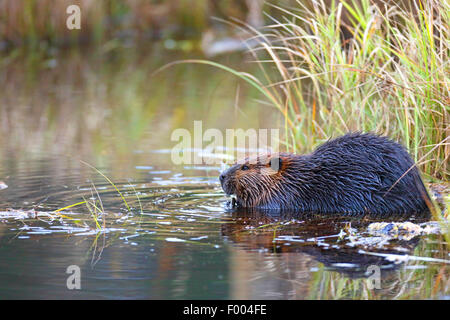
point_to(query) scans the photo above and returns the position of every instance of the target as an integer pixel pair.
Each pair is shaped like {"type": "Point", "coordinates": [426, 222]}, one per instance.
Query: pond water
{"type": "Point", "coordinates": [170, 233]}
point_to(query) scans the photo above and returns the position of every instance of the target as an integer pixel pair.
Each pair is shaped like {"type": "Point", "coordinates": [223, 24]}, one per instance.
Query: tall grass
{"type": "Point", "coordinates": [390, 77]}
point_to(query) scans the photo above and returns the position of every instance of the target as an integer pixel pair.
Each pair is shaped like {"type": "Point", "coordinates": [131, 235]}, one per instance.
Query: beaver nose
{"type": "Point", "coordinates": [222, 177]}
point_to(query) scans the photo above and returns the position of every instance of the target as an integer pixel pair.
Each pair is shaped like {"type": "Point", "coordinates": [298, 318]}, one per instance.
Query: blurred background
{"type": "Point", "coordinates": [42, 23]}
{"type": "Point", "coordinates": [93, 90]}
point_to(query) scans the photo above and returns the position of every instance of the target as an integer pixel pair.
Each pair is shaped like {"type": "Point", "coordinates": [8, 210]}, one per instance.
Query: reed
{"type": "Point", "coordinates": [391, 76]}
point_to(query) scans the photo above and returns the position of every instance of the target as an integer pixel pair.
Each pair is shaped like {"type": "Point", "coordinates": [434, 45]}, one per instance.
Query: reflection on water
{"type": "Point", "coordinates": [179, 239]}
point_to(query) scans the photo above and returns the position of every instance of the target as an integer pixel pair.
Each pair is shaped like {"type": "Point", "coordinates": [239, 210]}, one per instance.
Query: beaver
{"type": "Point", "coordinates": [355, 173]}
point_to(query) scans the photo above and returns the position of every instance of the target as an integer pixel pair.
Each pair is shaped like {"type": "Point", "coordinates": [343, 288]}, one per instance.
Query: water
{"type": "Point", "coordinates": [179, 239]}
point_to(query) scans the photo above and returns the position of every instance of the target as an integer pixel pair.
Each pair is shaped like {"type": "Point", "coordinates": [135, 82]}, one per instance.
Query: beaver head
{"type": "Point", "coordinates": [257, 181]}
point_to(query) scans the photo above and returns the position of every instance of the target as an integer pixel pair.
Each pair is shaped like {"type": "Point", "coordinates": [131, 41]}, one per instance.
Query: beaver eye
{"type": "Point", "coordinates": [245, 167]}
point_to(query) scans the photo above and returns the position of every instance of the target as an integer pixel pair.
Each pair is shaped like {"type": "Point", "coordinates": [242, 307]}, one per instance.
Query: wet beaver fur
{"type": "Point", "coordinates": [355, 173]}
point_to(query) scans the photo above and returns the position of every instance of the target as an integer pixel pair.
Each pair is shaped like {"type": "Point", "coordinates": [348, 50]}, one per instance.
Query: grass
{"type": "Point", "coordinates": [390, 77]}
{"type": "Point", "coordinates": [95, 204]}
{"type": "Point", "coordinates": [110, 182]}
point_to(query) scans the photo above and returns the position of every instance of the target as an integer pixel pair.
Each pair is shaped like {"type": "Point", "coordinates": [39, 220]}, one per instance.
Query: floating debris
{"type": "Point", "coordinates": [144, 168]}
{"type": "Point", "coordinates": [398, 258]}
{"type": "Point", "coordinates": [199, 238]}
{"type": "Point", "coordinates": [175, 240]}
{"type": "Point", "coordinates": [3, 185]}
{"type": "Point", "coordinates": [160, 172]}
{"type": "Point", "coordinates": [18, 214]}
{"type": "Point", "coordinates": [402, 230]}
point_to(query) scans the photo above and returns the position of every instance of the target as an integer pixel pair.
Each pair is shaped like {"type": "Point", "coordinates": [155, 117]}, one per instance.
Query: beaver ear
{"type": "Point", "coordinates": [275, 163]}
